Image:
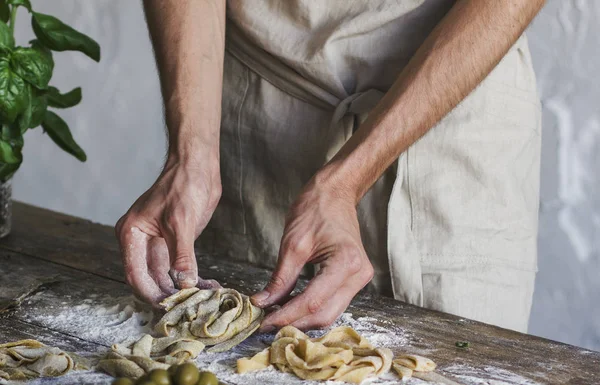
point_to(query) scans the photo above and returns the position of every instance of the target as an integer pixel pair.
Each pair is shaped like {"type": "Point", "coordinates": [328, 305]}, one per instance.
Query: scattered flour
{"type": "Point", "coordinates": [102, 319]}
{"type": "Point", "coordinates": [487, 375]}
{"type": "Point", "coordinates": [107, 320]}
{"type": "Point", "coordinates": [384, 337]}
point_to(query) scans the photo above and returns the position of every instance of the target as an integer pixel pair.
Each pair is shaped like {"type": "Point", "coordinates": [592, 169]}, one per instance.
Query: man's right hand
{"type": "Point", "coordinates": [157, 234]}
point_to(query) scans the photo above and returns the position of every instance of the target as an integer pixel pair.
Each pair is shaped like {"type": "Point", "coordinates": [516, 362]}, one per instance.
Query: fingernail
{"type": "Point", "coordinates": [186, 279]}
{"type": "Point", "coordinates": [260, 297]}
{"type": "Point", "coordinates": [170, 291]}
{"type": "Point", "coordinates": [208, 284]}
{"type": "Point", "coordinates": [267, 329]}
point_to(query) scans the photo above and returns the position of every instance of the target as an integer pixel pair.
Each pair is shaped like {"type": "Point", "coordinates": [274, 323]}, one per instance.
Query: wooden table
{"type": "Point", "coordinates": [83, 259]}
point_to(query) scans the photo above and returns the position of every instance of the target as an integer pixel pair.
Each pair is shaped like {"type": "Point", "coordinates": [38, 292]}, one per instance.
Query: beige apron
{"type": "Point", "coordinates": [452, 225]}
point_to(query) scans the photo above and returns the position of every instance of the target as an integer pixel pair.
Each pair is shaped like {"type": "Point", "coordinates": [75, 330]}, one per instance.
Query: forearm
{"type": "Point", "coordinates": [188, 40]}
{"type": "Point", "coordinates": [459, 53]}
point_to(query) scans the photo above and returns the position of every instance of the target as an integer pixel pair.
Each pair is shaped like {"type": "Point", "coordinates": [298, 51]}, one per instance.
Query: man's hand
{"type": "Point", "coordinates": [157, 234]}
{"type": "Point", "coordinates": [321, 227]}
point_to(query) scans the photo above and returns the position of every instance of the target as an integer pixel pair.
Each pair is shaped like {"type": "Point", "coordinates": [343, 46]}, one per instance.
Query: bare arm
{"type": "Point", "coordinates": [157, 234]}
{"type": "Point", "coordinates": [459, 53]}
{"type": "Point", "coordinates": [322, 225]}
{"type": "Point", "coordinates": [189, 41]}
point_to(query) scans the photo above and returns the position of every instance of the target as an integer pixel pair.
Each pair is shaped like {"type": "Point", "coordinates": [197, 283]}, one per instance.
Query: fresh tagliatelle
{"type": "Point", "coordinates": [406, 364]}
{"type": "Point", "coordinates": [27, 359]}
{"type": "Point", "coordinates": [195, 318]}
{"type": "Point", "coordinates": [342, 355]}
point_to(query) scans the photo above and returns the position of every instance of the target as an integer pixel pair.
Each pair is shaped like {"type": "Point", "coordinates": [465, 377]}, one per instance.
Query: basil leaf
{"type": "Point", "coordinates": [7, 41]}
{"type": "Point", "coordinates": [69, 99]}
{"type": "Point", "coordinates": [4, 11]}
{"type": "Point", "coordinates": [39, 104]}
{"type": "Point", "coordinates": [24, 119]}
{"type": "Point", "coordinates": [58, 36]}
{"type": "Point", "coordinates": [59, 132]}
{"type": "Point", "coordinates": [36, 106]}
{"type": "Point", "coordinates": [9, 132]}
{"type": "Point", "coordinates": [36, 44]}
{"type": "Point", "coordinates": [13, 93]}
{"type": "Point", "coordinates": [22, 3]}
{"type": "Point", "coordinates": [8, 170]}
{"type": "Point", "coordinates": [8, 154]}
{"type": "Point", "coordinates": [17, 144]}
{"type": "Point", "coordinates": [32, 65]}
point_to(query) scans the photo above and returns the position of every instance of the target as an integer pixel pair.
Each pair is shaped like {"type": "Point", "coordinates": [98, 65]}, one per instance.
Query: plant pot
{"type": "Point", "coordinates": [5, 208]}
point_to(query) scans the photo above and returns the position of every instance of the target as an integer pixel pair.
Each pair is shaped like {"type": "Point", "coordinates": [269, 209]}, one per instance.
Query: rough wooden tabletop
{"type": "Point", "coordinates": [68, 262]}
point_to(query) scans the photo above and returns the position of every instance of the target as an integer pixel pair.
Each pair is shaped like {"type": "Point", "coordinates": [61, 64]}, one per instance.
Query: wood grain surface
{"type": "Point", "coordinates": [80, 261]}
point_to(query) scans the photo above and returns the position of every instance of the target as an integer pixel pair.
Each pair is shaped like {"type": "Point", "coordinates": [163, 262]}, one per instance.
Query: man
{"type": "Point", "coordinates": [402, 139]}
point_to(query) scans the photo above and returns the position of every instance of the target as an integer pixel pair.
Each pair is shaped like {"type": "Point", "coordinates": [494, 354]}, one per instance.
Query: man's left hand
{"type": "Point", "coordinates": [321, 227]}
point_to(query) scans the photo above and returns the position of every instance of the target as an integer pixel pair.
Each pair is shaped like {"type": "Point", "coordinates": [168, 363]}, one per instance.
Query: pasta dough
{"type": "Point", "coordinates": [406, 364]}
{"type": "Point", "coordinates": [195, 318]}
{"type": "Point", "coordinates": [26, 359]}
{"type": "Point", "coordinates": [342, 355]}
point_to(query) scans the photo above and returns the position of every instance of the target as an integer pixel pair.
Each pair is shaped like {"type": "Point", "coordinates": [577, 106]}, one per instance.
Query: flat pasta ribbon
{"type": "Point", "coordinates": [195, 318]}
{"type": "Point", "coordinates": [406, 364]}
{"type": "Point", "coordinates": [342, 355]}
{"type": "Point", "coordinates": [27, 359]}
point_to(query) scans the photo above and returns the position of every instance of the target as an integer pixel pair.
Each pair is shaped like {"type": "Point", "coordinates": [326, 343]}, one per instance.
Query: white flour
{"type": "Point", "coordinates": [493, 376]}
{"type": "Point", "coordinates": [382, 337]}
{"type": "Point", "coordinates": [102, 319]}
{"type": "Point", "coordinates": [107, 320]}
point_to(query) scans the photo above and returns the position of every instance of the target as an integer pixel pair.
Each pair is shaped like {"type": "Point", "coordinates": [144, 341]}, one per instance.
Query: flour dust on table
{"type": "Point", "coordinates": [493, 376]}
{"type": "Point", "coordinates": [123, 320]}
{"type": "Point", "coordinates": [100, 318]}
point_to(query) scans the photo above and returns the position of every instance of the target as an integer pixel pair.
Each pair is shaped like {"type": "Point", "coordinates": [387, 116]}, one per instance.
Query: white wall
{"type": "Point", "coordinates": [120, 126]}
{"type": "Point", "coordinates": [564, 44]}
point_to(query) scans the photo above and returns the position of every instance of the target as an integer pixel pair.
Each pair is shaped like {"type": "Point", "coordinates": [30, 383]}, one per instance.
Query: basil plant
{"type": "Point", "coordinates": [25, 92]}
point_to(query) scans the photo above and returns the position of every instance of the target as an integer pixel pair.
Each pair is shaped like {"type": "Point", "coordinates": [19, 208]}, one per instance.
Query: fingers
{"type": "Point", "coordinates": [317, 294]}
{"type": "Point", "coordinates": [158, 264]}
{"type": "Point", "coordinates": [208, 284]}
{"type": "Point", "coordinates": [134, 246]}
{"type": "Point", "coordinates": [336, 306]}
{"type": "Point", "coordinates": [184, 268]}
{"type": "Point", "coordinates": [288, 269]}
{"type": "Point", "coordinates": [327, 295]}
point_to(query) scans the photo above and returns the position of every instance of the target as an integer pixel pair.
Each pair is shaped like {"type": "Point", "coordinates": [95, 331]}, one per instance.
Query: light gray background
{"type": "Point", "coordinates": [120, 126]}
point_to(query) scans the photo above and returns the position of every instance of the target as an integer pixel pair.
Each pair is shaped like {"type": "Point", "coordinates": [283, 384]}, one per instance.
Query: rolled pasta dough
{"type": "Point", "coordinates": [26, 359]}
{"type": "Point", "coordinates": [342, 355]}
{"type": "Point", "coordinates": [195, 318]}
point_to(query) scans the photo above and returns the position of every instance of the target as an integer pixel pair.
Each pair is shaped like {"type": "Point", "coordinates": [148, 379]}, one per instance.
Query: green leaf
{"type": "Point", "coordinates": [8, 170]}
{"type": "Point", "coordinates": [22, 3]}
{"type": "Point", "coordinates": [69, 99]}
{"type": "Point", "coordinates": [58, 36]}
{"type": "Point", "coordinates": [13, 93]}
{"type": "Point", "coordinates": [9, 132]}
{"type": "Point", "coordinates": [8, 154]}
{"type": "Point", "coordinates": [17, 144]}
{"type": "Point", "coordinates": [40, 47]}
{"type": "Point", "coordinates": [33, 65]}
{"type": "Point", "coordinates": [39, 104]}
{"type": "Point", "coordinates": [7, 40]}
{"type": "Point", "coordinates": [4, 11]}
{"type": "Point", "coordinates": [59, 132]}
{"type": "Point", "coordinates": [24, 118]}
